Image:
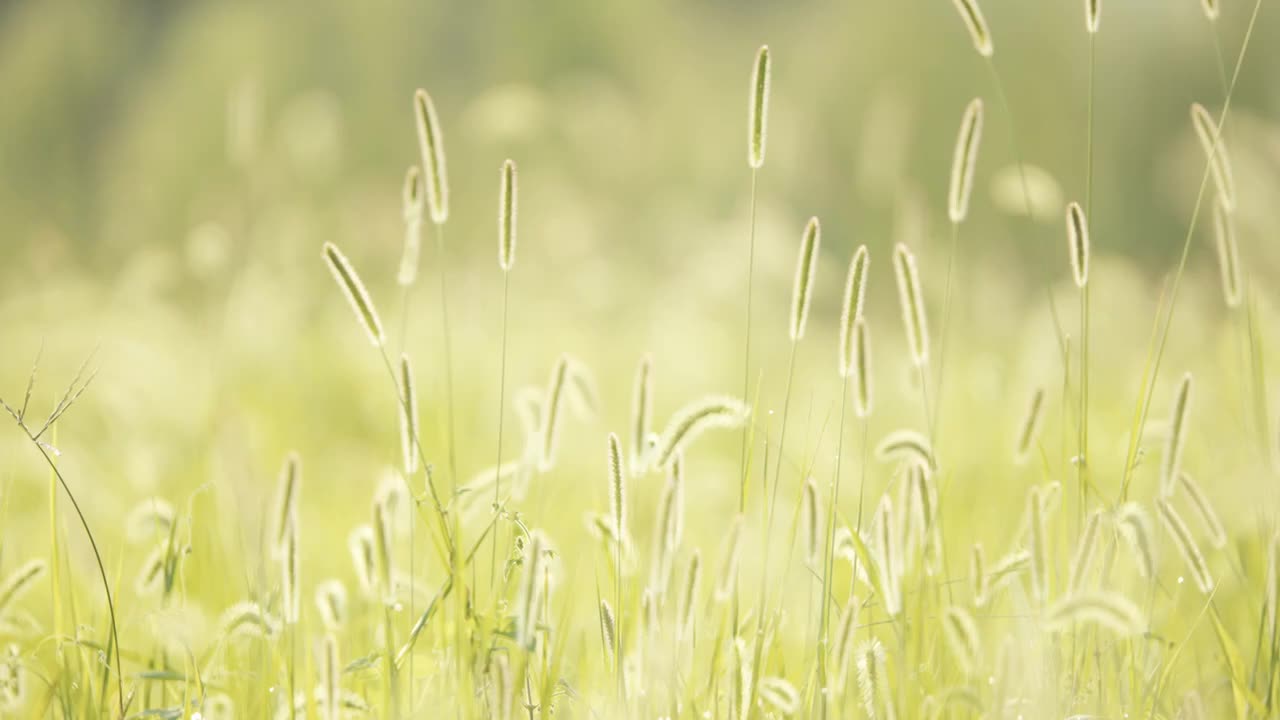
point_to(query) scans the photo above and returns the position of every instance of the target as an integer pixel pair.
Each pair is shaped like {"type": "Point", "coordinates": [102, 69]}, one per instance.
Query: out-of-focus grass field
{"type": "Point", "coordinates": [170, 172]}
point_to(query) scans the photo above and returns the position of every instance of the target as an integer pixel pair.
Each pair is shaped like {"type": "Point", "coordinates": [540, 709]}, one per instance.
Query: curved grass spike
{"type": "Point", "coordinates": [694, 419]}
{"type": "Point", "coordinates": [689, 597]}
{"type": "Point", "coordinates": [19, 581]}
{"type": "Point", "coordinates": [962, 635]}
{"type": "Point", "coordinates": [288, 488]}
{"type": "Point", "coordinates": [413, 203]}
{"type": "Point", "coordinates": [355, 293]}
{"type": "Point", "coordinates": [964, 160]}
{"type": "Point", "coordinates": [1177, 438]}
{"type": "Point", "coordinates": [331, 603]}
{"type": "Point", "coordinates": [1107, 609]}
{"type": "Point", "coordinates": [364, 558]}
{"type": "Point", "coordinates": [758, 112]}
{"type": "Point", "coordinates": [911, 297]}
{"type": "Point", "coordinates": [802, 290]}
{"type": "Point", "coordinates": [408, 418]}
{"type": "Point", "coordinates": [1216, 151]}
{"type": "Point", "coordinates": [855, 291]}
{"type": "Point", "coordinates": [1092, 14]}
{"type": "Point", "coordinates": [641, 416]}
{"type": "Point", "coordinates": [978, 584]}
{"type": "Point", "coordinates": [1187, 546]}
{"type": "Point", "coordinates": [507, 216]}
{"type": "Point", "coordinates": [330, 677]}
{"type": "Point", "coordinates": [901, 444]}
{"type": "Point", "coordinates": [861, 369]}
{"type": "Point", "coordinates": [1135, 527]}
{"type": "Point", "coordinates": [1208, 516]}
{"type": "Point", "coordinates": [1228, 253]}
{"type": "Point", "coordinates": [977, 25]}
{"type": "Point", "coordinates": [552, 407]}
{"type": "Point", "coordinates": [1030, 425]}
{"type": "Point", "coordinates": [431, 145]}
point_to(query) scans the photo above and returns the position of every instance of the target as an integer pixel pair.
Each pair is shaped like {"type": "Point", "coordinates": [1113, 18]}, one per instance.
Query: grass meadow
{"type": "Point", "coordinates": [782, 367]}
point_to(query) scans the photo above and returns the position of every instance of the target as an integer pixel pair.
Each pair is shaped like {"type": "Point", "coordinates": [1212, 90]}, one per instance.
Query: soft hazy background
{"type": "Point", "coordinates": [169, 172]}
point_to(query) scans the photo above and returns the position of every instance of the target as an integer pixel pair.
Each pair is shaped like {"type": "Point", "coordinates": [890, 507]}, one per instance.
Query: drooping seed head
{"type": "Point", "coordinates": [977, 25]}
{"type": "Point", "coordinates": [758, 111]}
{"type": "Point", "coordinates": [355, 292]}
{"type": "Point", "coordinates": [1109, 610]}
{"type": "Point", "coordinates": [802, 290]}
{"type": "Point", "coordinates": [908, 445]}
{"type": "Point", "coordinates": [19, 581]}
{"type": "Point", "coordinates": [1208, 516]}
{"type": "Point", "coordinates": [431, 145]}
{"type": "Point", "coordinates": [1187, 546]}
{"type": "Point", "coordinates": [1135, 527]}
{"type": "Point", "coordinates": [331, 603]}
{"type": "Point", "coordinates": [855, 290]}
{"type": "Point", "coordinates": [1078, 243]}
{"type": "Point", "coordinates": [964, 160]}
{"type": "Point", "coordinates": [779, 694]}
{"type": "Point", "coordinates": [1228, 253]}
{"type": "Point", "coordinates": [911, 298]}
{"type": "Point", "coordinates": [1209, 133]}
{"type": "Point", "coordinates": [364, 558]}
{"type": "Point", "coordinates": [1171, 467]}
{"type": "Point", "coordinates": [962, 636]}
{"type": "Point", "coordinates": [694, 419]}
{"type": "Point", "coordinates": [507, 216]}
{"type": "Point", "coordinates": [150, 520]}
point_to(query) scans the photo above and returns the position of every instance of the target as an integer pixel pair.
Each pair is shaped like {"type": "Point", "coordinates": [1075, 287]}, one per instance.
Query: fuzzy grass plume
{"type": "Point", "coordinates": [964, 160]}
{"type": "Point", "coordinates": [694, 419]}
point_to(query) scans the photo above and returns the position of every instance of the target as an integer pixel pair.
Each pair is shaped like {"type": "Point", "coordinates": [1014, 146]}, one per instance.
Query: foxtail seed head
{"type": "Point", "coordinates": [1078, 243]}
{"type": "Point", "coordinates": [431, 144]}
{"type": "Point", "coordinates": [963, 161]}
{"type": "Point", "coordinates": [507, 217]}
{"type": "Point", "coordinates": [758, 112]}
{"type": "Point", "coordinates": [977, 25]}
{"type": "Point", "coordinates": [355, 292]}
{"type": "Point", "coordinates": [855, 290]}
{"type": "Point", "coordinates": [802, 291]}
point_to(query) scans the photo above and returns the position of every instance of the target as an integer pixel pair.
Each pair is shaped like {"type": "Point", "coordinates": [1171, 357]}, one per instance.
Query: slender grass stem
{"type": "Point", "coordinates": [502, 401]}
{"type": "Point", "coordinates": [943, 333]}
{"type": "Point", "coordinates": [447, 340]}
{"type": "Point", "coordinates": [746, 354]}
{"type": "Point", "coordinates": [828, 560]}
{"type": "Point", "coordinates": [1148, 386]}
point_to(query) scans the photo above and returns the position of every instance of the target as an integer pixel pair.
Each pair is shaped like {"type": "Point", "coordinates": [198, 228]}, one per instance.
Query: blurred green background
{"type": "Point", "coordinates": [169, 172]}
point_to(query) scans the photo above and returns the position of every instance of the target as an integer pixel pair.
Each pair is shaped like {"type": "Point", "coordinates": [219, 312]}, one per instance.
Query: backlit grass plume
{"type": "Point", "coordinates": [507, 207]}
{"type": "Point", "coordinates": [431, 145]}
{"type": "Point", "coordinates": [1078, 243]}
{"type": "Point", "coordinates": [413, 201]}
{"type": "Point", "coordinates": [964, 160]}
{"type": "Point", "coordinates": [1134, 526]}
{"type": "Point", "coordinates": [617, 487]}
{"type": "Point", "coordinates": [408, 418]}
{"type": "Point", "coordinates": [1038, 544]}
{"type": "Point", "coordinates": [1210, 8]}
{"type": "Point", "coordinates": [1092, 15]}
{"type": "Point", "coordinates": [812, 526]}
{"type": "Point", "coordinates": [861, 368]}
{"type": "Point", "coordinates": [1224, 235]}
{"type": "Point", "coordinates": [1204, 509]}
{"type": "Point", "coordinates": [802, 290]}
{"type": "Point", "coordinates": [529, 599]}
{"type": "Point", "coordinates": [1186, 544]}
{"type": "Point", "coordinates": [911, 298]}
{"type": "Point", "coordinates": [962, 636]}
{"type": "Point", "coordinates": [1177, 438]}
{"type": "Point", "coordinates": [855, 291]}
{"type": "Point", "coordinates": [1086, 547]}
{"type": "Point", "coordinates": [758, 112]}
{"type": "Point", "coordinates": [977, 26]}
{"type": "Point", "coordinates": [355, 293]}
{"type": "Point", "coordinates": [1215, 149]}
{"type": "Point", "coordinates": [694, 419]}
{"type": "Point", "coordinates": [978, 581]}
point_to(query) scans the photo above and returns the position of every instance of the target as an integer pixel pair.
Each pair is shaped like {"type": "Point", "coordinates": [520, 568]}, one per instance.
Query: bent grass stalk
{"type": "Point", "coordinates": [757, 139]}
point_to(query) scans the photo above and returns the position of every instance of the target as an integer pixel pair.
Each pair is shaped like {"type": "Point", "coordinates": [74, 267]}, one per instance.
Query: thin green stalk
{"type": "Point", "coordinates": [448, 353]}
{"type": "Point", "coordinates": [943, 333]}
{"type": "Point", "coordinates": [1148, 387]}
{"type": "Point", "coordinates": [1082, 458]}
{"type": "Point", "coordinates": [829, 548]}
{"type": "Point", "coordinates": [746, 354]}
{"type": "Point", "coordinates": [502, 401]}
